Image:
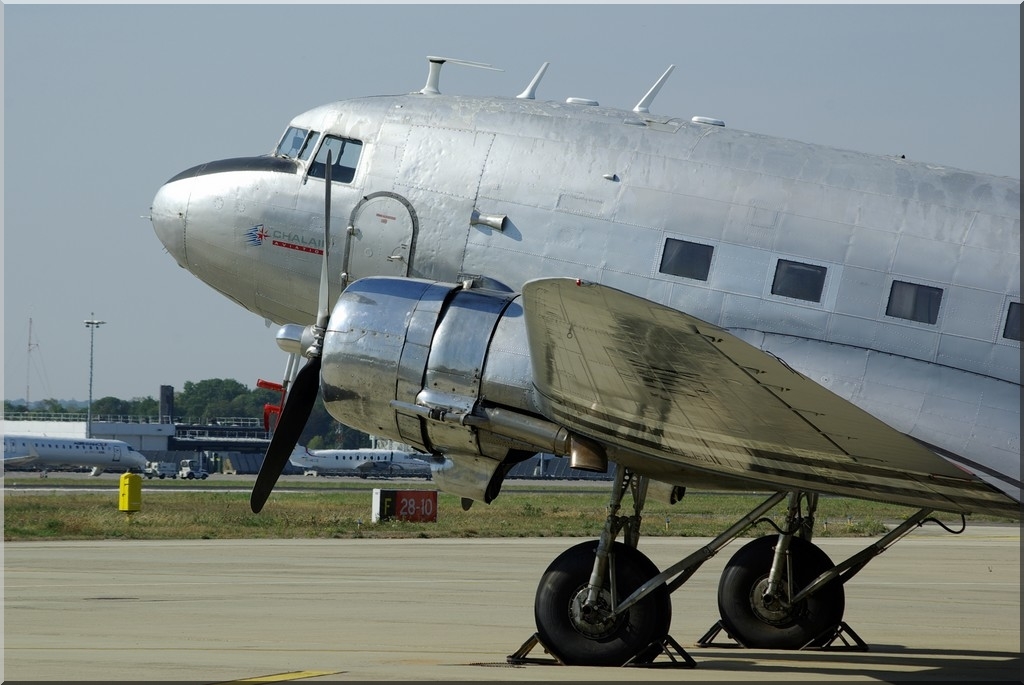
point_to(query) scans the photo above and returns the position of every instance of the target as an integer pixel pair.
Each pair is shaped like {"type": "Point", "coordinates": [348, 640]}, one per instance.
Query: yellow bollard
{"type": "Point", "coordinates": [130, 499]}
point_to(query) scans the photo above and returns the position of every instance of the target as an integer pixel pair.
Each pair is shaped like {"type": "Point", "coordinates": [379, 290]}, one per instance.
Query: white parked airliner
{"type": "Point", "coordinates": [47, 452]}
{"type": "Point", "coordinates": [364, 463]}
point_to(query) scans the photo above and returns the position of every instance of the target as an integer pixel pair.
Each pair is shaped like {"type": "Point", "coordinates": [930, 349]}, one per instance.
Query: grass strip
{"type": "Point", "coordinates": [521, 511]}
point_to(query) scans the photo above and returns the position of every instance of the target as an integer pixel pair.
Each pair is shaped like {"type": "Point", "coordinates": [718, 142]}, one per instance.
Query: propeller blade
{"type": "Point", "coordinates": [297, 408]}
{"type": "Point", "coordinates": [302, 395]}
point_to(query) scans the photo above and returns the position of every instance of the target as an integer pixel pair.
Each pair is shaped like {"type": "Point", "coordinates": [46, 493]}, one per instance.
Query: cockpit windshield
{"type": "Point", "coordinates": [297, 143]}
{"type": "Point", "coordinates": [344, 158]}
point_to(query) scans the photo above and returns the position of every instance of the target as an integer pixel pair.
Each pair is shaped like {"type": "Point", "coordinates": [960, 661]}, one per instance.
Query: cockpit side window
{"type": "Point", "coordinates": [297, 143]}
{"type": "Point", "coordinates": [291, 142]}
{"type": "Point", "coordinates": [344, 159]}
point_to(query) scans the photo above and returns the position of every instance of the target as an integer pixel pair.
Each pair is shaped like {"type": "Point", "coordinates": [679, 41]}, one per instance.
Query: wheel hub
{"type": "Point", "coordinates": [594, 621]}
{"type": "Point", "coordinates": [768, 608]}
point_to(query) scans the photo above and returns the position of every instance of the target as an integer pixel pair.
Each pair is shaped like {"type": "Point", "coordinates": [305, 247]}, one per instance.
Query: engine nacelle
{"type": "Point", "coordinates": [434, 365]}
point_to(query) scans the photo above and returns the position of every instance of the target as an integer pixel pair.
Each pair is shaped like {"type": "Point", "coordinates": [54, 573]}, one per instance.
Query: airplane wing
{"type": "Point", "coordinates": [649, 379]}
{"type": "Point", "coordinates": [21, 460]}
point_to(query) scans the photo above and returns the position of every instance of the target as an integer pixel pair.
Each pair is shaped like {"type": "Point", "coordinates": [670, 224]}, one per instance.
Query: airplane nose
{"type": "Point", "coordinates": [168, 214]}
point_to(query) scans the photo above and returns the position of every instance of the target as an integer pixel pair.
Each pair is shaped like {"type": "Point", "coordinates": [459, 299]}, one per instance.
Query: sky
{"type": "Point", "coordinates": [104, 103]}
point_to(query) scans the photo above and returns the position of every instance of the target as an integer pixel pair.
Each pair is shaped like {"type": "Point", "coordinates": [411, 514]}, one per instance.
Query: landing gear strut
{"type": "Point", "coordinates": [575, 606]}
{"type": "Point", "coordinates": [759, 617]}
{"type": "Point", "coordinates": [755, 593]}
{"type": "Point", "coordinates": [577, 625]}
{"type": "Point", "coordinates": [782, 592]}
{"type": "Point", "coordinates": [603, 603]}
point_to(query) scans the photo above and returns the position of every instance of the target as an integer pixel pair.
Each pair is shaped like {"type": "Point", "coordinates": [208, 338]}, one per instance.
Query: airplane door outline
{"type": "Point", "coordinates": [381, 237]}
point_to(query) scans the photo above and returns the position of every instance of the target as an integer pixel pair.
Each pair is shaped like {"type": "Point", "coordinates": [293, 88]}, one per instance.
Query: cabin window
{"type": "Point", "coordinates": [344, 158]}
{"type": "Point", "coordinates": [1012, 328]}
{"type": "Point", "coordinates": [297, 143]}
{"type": "Point", "coordinates": [799, 281]}
{"type": "Point", "coordinates": [914, 302]}
{"type": "Point", "coordinates": [686, 259]}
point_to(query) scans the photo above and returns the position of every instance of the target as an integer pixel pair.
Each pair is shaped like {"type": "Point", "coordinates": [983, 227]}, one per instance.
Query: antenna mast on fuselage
{"type": "Point", "coordinates": [434, 73]}
{"type": "Point", "coordinates": [644, 106]}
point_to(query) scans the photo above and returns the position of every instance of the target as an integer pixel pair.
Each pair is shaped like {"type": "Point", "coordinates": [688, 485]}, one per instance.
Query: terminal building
{"type": "Point", "coordinates": [221, 445]}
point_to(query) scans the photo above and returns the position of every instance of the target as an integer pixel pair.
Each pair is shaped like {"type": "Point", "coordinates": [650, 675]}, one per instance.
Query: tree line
{"type": "Point", "coordinates": [203, 401]}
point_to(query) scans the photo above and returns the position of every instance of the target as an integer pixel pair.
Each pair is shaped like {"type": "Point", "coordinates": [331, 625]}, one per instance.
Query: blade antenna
{"type": "Point", "coordinates": [644, 106]}
{"type": "Point", "coordinates": [531, 90]}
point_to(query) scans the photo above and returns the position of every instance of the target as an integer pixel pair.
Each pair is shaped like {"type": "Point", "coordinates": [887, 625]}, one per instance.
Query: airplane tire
{"type": "Point", "coordinates": [611, 643]}
{"type": "Point", "coordinates": [753, 624]}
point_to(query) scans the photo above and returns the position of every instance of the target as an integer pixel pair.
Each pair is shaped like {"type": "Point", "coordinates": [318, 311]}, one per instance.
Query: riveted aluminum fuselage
{"type": "Point", "coordinates": [598, 194]}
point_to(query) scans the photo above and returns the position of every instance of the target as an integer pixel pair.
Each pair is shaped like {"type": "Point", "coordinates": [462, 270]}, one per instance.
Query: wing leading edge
{"type": "Point", "coordinates": [649, 379]}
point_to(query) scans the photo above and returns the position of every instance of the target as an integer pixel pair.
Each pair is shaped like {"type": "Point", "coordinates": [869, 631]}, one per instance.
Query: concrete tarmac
{"type": "Point", "coordinates": [933, 607]}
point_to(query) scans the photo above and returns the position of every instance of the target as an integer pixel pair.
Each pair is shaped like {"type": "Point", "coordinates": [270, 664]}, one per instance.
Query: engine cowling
{"type": "Point", "coordinates": [434, 365]}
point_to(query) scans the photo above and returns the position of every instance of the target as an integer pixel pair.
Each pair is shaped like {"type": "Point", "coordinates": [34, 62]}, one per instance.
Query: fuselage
{"type": "Point", "coordinates": [895, 284]}
{"type": "Point", "coordinates": [359, 462]}
{"type": "Point", "coordinates": [48, 452]}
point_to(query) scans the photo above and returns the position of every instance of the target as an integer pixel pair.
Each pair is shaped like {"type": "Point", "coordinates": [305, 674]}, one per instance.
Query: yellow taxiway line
{"type": "Point", "coordinates": [281, 677]}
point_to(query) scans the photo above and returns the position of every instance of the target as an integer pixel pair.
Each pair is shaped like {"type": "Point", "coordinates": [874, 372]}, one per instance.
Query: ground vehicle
{"type": "Point", "coordinates": [190, 469]}
{"type": "Point", "coordinates": [160, 469]}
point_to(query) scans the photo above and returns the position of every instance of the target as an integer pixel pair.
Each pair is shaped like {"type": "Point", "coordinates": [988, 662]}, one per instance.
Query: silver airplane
{"type": "Point", "coordinates": [360, 462]}
{"type": "Point", "coordinates": [699, 306]}
{"type": "Point", "coordinates": [48, 452]}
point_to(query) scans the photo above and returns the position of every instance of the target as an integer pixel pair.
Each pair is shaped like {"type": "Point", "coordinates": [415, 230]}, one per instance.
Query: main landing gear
{"type": "Point", "coordinates": [604, 603]}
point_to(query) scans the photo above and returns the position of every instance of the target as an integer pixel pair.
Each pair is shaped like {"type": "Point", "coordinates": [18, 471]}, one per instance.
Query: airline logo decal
{"type": "Point", "coordinates": [260, 234]}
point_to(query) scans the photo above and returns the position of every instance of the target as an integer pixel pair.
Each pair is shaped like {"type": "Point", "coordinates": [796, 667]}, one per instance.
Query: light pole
{"type": "Point", "coordinates": [92, 324]}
